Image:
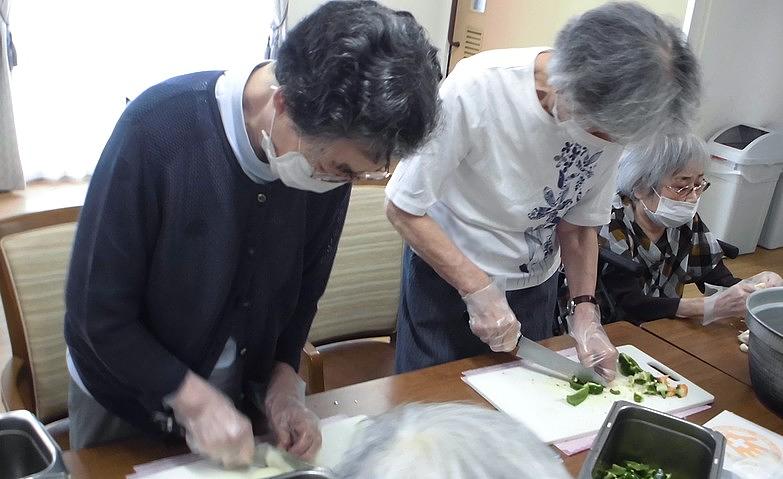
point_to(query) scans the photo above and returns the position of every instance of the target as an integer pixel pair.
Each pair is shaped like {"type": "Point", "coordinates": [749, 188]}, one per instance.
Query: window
{"type": "Point", "coordinates": [79, 60]}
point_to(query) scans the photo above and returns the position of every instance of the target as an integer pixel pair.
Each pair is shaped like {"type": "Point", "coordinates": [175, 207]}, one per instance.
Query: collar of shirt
{"type": "Point", "coordinates": [228, 92]}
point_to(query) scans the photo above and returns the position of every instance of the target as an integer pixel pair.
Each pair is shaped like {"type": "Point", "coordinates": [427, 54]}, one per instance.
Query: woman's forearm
{"type": "Point", "coordinates": [690, 308]}
{"type": "Point", "coordinates": [432, 244]}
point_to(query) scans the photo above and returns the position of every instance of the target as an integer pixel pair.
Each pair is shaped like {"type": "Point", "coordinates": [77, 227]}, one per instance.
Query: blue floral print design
{"type": "Point", "coordinates": [575, 165]}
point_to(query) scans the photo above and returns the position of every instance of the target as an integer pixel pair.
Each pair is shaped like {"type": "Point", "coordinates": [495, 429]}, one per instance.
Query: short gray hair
{"type": "Point", "coordinates": [448, 441]}
{"type": "Point", "coordinates": [626, 72]}
{"type": "Point", "coordinates": [646, 164]}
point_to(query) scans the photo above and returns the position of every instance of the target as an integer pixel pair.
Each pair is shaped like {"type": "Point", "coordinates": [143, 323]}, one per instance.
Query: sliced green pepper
{"type": "Point", "coordinates": [628, 366]}
{"type": "Point", "coordinates": [578, 397]}
{"type": "Point", "coordinates": [576, 383]}
{"type": "Point", "coordinates": [615, 391]}
{"type": "Point", "coordinates": [637, 397]}
{"type": "Point", "coordinates": [594, 388]}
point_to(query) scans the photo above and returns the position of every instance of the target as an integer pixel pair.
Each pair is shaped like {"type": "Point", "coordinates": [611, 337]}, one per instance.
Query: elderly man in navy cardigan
{"type": "Point", "coordinates": [210, 228]}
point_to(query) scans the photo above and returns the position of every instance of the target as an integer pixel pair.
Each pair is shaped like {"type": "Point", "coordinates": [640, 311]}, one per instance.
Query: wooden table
{"type": "Point", "coordinates": [715, 344]}
{"type": "Point", "coordinates": [443, 383]}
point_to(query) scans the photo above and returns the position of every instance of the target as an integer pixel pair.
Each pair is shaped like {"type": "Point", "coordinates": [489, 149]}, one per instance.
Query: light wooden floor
{"type": "Point", "coordinates": [46, 196]}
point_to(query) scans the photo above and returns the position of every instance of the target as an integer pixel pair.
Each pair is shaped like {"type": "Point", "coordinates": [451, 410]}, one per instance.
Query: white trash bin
{"type": "Point", "coordinates": [772, 232]}
{"type": "Point", "coordinates": [744, 170]}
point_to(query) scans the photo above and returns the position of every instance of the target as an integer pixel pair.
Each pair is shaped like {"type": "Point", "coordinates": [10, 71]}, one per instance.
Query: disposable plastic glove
{"type": "Point", "coordinates": [213, 426]}
{"type": "Point", "coordinates": [592, 345]}
{"type": "Point", "coordinates": [729, 303]}
{"type": "Point", "coordinates": [294, 426]}
{"type": "Point", "coordinates": [765, 279]}
{"type": "Point", "coordinates": [491, 318]}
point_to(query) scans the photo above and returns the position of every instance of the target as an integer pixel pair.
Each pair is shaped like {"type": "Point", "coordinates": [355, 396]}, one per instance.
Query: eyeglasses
{"type": "Point", "coordinates": [686, 191]}
{"type": "Point", "coordinates": [379, 175]}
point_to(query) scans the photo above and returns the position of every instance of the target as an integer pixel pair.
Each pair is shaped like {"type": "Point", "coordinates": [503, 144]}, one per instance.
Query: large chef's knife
{"type": "Point", "coordinates": [535, 353]}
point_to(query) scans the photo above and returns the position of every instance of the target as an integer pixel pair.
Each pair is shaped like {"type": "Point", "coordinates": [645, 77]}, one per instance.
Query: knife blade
{"type": "Point", "coordinates": [532, 351]}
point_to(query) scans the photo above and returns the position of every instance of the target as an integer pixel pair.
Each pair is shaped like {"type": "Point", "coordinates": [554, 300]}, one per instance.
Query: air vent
{"type": "Point", "coordinates": [472, 41]}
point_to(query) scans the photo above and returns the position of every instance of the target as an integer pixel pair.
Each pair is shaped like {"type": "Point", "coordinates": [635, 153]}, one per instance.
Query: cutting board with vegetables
{"type": "Point", "coordinates": [538, 400]}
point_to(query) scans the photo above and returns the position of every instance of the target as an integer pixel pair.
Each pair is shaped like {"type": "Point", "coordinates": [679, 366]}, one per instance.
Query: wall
{"type": "Point", "coordinates": [433, 15]}
{"type": "Point", "coordinates": [739, 44]}
{"type": "Point", "coordinates": [526, 23]}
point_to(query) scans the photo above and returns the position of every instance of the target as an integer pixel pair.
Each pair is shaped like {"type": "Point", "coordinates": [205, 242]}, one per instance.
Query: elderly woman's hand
{"type": "Point", "coordinates": [765, 279]}
{"type": "Point", "coordinates": [729, 303]}
{"type": "Point", "coordinates": [592, 345]}
{"type": "Point", "coordinates": [491, 318]}
{"type": "Point", "coordinates": [296, 428]}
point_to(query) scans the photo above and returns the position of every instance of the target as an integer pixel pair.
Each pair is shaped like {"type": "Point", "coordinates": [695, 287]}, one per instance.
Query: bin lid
{"type": "Point", "coordinates": [747, 145]}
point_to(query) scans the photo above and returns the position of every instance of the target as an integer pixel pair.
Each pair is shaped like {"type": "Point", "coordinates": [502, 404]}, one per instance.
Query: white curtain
{"type": "Point", "coordinates": [11, 177]}
{"type": "Point", "coordinates": [279, 28]}
{"type": "Point", "coordinates": [81, 59]}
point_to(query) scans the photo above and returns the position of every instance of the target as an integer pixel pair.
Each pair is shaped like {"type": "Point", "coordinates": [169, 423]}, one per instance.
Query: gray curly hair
{"type": "Point", "coordinates": [647, 164]}
{"type": "Point", "coordinates": [448, 441]}
{"type": "Point", "coordinates": [626, 72]}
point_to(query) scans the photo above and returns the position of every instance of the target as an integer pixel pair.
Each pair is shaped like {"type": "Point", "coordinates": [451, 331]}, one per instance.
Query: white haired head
{"type": "Point", "coordinates": [648, 164]}
{"type": "Point", "coordinates": [448, 441]}
{"type": "Point", "coordinates": [624, 71]}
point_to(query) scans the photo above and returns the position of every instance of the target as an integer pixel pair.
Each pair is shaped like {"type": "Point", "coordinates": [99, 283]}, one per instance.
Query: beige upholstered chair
{"type": "Point", "coordinates": [34, 253]}
{"type": "Point", "coordinates": [359, 306]}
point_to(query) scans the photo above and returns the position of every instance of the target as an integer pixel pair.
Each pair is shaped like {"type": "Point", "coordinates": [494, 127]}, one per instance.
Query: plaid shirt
{"type": "Point", "coordinates": [682, 255]}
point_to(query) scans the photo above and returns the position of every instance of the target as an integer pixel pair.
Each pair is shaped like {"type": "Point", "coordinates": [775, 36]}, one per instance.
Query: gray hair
{"type": "Point", "coordinates": [625, 72]}
{"type": "Point", "coordinates": [448, 441]}
{"type": "Point", "coordinates": [647, 164]}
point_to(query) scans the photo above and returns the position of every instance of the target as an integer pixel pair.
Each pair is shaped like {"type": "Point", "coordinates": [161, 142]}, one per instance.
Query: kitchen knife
{"type": "Point", "coordinates": [535, 353]}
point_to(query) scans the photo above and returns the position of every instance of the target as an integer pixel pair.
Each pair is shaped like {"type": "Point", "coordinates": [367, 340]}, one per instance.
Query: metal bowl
{"type": "Point", "coordinates": [765, 347]}
{"type": "Point", "coordinates": [27, 450]}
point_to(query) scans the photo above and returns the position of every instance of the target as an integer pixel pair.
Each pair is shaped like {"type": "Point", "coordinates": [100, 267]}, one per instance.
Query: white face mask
{"type": "Point", "coordinates": [671, 213]}
{"type": "Point", "coordinates": [292, 168]}
{"type": "Point", "coordinates": [584, 137]}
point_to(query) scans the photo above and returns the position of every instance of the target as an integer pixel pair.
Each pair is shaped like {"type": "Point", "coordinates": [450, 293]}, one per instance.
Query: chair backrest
{"type": "Point", "coordinates": [362, 294]}
{"type": "Point", "coordinates": [34, 253]}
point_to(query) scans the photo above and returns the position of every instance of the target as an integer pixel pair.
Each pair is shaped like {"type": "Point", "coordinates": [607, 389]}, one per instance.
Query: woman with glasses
{"type": "Point", "coordinates": [654, 222]}
{"type": "Point", "coordinates": [210, 228]}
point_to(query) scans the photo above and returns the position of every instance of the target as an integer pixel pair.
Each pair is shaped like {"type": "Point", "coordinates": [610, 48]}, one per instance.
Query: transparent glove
{"type": "Point", "coordinates": [592, 345]}
{"type": "Point", "coordinates": [729, 303]}
{"type": "Point", "coordinates": [213, 426]}
{"type": "Point", "coordinates": [491, 318]}
{"type": "Point", "coordinates": [295, 426]}
{"type": "Point", "coordinates": [765, 279]}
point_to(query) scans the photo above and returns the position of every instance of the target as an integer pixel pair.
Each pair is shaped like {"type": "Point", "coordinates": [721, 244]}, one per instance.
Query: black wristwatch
{"type": "Point", "coordinates": [585, 298]}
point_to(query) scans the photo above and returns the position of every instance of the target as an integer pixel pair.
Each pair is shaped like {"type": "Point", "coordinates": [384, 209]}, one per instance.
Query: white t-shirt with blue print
{"type": "Point", "coordinates": [500, 172]}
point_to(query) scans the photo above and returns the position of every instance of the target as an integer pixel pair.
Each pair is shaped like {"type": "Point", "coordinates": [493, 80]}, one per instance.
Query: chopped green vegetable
{"type": "Point", "coordinates": [628, 365]}
{"type": "Point", "coordinates": [637, 397]}
{"type": "Point", "coordinates": [578, 397]}
{"type": "Point", "coordinates": [662, 389]}
{"type": "Point", "coordinates": [631, 470]}
{"type": "Point", "coordinates": [594, 388]}
{"type": "Point", "coordinates": [614, 391]}
{"type": "Point", "coordinates": [643, 377]}
{"type": "Point", "coordinates": [576, 383]}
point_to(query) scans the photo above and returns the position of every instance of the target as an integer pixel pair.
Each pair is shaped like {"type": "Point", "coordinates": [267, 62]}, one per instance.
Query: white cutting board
{"type": "Point", "coordinates": [337, 434]}
{"type": "Point", "coordinates": [539, 401]}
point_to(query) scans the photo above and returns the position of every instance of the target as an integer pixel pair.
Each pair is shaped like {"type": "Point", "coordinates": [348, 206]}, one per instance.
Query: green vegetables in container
{"type": "Point", "coordinates": [632, 470]}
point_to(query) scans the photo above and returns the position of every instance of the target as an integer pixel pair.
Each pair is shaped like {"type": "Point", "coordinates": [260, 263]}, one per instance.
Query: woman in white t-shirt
{"type": "Point", "coordinates": [520, 173]}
